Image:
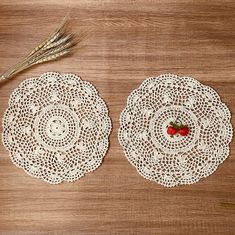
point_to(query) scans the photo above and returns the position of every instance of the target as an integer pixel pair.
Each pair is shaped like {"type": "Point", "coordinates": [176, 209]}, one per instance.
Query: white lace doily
{"type": "Point", "coordinates": [182, 159]}
{"type": "Point", "coordinates": [56, 127]}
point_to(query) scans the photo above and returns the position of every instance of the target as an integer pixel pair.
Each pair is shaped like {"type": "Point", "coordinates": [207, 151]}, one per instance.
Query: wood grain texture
{"type": "Point", "coordinates": [127, 41]}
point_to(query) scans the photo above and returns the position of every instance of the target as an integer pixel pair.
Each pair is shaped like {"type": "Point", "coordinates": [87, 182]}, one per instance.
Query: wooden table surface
{"type": "Point", "coordinates": [127, 41]}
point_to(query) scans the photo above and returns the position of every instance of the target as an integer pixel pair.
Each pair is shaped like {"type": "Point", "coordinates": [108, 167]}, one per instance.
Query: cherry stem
{"type": "Point", "coordinates": [176, 120]}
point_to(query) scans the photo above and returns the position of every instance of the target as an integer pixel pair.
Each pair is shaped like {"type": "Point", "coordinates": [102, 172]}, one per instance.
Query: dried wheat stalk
{"type": "Point", "coordinates": [58, 44]}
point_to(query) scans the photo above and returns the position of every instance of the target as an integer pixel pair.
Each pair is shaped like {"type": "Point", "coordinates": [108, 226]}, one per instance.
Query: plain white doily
{"type": "Point", "coordinates": [56, 127]}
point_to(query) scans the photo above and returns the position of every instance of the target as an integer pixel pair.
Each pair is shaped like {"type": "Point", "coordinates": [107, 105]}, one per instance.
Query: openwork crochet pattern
{"type": "Point", "coordinates": [174, 160]}
{"type": "Point", "coordinates": [56, 127]}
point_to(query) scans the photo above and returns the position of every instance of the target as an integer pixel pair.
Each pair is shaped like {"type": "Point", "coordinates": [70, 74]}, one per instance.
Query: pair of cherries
{"type": "Point", "coordinates": [177, 128]}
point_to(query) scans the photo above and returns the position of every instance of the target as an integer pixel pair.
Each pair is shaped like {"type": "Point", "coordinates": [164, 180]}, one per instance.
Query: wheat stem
{"type": "Point", "coordinates": [55, 46]}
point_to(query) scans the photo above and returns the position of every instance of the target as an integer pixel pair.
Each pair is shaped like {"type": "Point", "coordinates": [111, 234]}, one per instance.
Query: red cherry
{"type": "Point", "coordinates": [171, 130]}
{"type": "Point", "coordinates": [183, 131]}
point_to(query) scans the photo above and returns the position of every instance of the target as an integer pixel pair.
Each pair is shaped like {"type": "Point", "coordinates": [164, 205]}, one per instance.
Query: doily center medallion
{"type": "Point", "coordinates": [177, 144]}
{"type": "Point", "coordinates": [57, 127]}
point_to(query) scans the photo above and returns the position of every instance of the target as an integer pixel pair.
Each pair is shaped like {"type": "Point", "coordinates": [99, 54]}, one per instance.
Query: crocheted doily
{"type": "Point", "coordinates": [158, 156]}
{"type": "Point", "coordinates": [56, 127]}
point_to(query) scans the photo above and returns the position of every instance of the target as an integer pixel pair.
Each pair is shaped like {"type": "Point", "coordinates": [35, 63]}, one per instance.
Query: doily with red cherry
{"type": "Point", "coordinates": [175, 130]}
